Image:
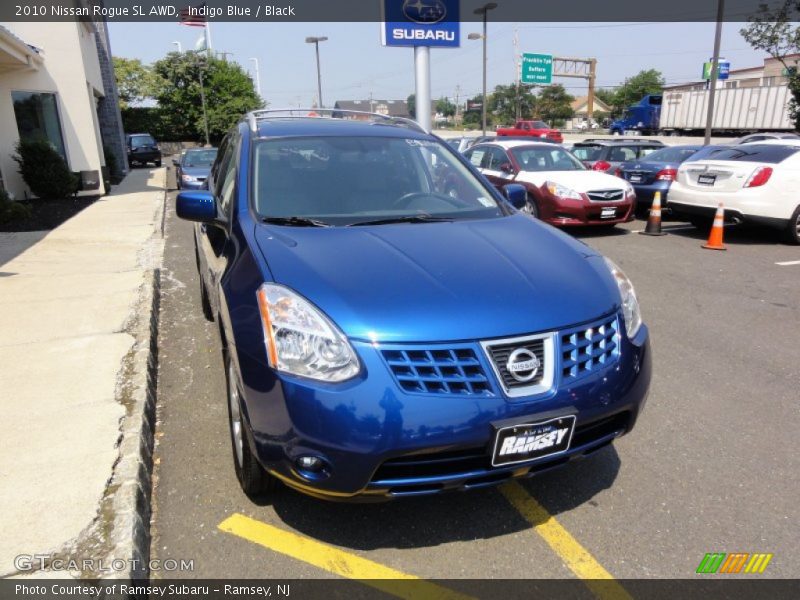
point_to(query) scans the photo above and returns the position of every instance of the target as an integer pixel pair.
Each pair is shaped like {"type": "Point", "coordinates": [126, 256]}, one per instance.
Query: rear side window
{"type": "Point", "coordinates": [587, 152]}
{"type": "Point", "coordinates": [761, 153]}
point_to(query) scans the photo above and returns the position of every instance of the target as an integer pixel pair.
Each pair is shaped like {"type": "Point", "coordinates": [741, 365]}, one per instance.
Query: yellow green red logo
{"type": "Point", "coordinates": [735, 562]}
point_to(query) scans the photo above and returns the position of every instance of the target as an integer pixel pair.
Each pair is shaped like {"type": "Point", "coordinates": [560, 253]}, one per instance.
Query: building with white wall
{"type": "Point", "coordinates": [56, 83]}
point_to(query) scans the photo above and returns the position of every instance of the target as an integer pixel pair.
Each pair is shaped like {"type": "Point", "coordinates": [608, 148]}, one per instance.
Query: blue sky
{"type": "Point", "coordinates": [354, 64]}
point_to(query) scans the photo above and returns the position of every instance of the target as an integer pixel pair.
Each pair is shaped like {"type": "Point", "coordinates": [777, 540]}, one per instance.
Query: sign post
{"type": "Point", "coordinates": [421, 24]}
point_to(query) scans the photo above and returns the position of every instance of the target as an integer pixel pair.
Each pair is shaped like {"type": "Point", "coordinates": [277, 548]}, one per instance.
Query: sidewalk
{"type": "Point", "coordinates": [74, 315]}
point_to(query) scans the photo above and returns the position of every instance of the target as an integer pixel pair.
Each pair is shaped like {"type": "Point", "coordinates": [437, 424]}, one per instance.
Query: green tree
{"type": "Point", "coordinates": [775, 31]}
{"type": "Point", "coordinates": [508, 100]}
{"type": "Point", "coordinates": [445, 107]}
{"type": "Point", "coordinates": [606, 96]}
{"type": "Point", "coordinates": [411, 102]}
{"type": "Point", "coordinates": [637, 87]}
{"type": "Point", "coordinates": [554, 104]}
{"type": "Point", "coordinates": [136, 82]}
{"type": "Point", "coordinates": [229, 93]}
{"type": "Point", "coordinates": [472, 117]}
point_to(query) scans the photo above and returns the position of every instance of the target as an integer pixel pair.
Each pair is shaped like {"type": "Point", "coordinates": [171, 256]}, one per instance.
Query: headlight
{"type": "Point", "coordinates": [562, 191]}
{"type": "Point", "coordinates": [630, 304]}
{"type": "Point", "coordinates": [187, 178]}
{"type": "Point", "coordinates": [301, 340]}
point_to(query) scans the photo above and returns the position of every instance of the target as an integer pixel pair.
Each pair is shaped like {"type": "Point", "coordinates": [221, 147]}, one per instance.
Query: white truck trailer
{"type": "Point", "coordinates": [736, 110]}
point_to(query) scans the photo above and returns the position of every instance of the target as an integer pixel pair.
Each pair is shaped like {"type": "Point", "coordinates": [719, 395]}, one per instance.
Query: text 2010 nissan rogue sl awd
{"type": "Point", "coordinates": [392, 325]}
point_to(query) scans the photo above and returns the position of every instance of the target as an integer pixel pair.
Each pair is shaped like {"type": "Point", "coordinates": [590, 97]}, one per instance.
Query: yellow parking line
{"type": "Point", "coordinates": [336, 561]}
{"type": "Point", "coordinates": [576, 557]}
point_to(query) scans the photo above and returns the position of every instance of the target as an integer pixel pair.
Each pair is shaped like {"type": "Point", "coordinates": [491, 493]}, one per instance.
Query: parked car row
{"type": "Point", "coordinates": [754, 178]}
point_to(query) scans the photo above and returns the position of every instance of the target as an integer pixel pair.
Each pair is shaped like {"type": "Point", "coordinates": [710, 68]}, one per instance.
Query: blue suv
{"type": "Point", "coordinates": [392, 325]}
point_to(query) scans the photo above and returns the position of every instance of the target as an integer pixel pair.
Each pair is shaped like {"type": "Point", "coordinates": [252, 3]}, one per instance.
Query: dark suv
{"type": "Point", "coordinates": [607, 155]}
{"type": "Point", "coordinates": [142, 149]}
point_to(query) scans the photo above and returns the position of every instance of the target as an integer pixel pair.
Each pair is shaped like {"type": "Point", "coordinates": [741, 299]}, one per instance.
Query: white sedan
{"type": "Point", "coordinates": [756, 182]}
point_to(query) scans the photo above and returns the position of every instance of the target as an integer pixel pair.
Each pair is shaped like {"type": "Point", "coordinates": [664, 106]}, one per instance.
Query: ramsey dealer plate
{"type": "Point", "coordinates": [530, 441]}
{"type": "Point", "coordinates": [608, 213]}
{"type": "Point", "coordinates": [706, 179]}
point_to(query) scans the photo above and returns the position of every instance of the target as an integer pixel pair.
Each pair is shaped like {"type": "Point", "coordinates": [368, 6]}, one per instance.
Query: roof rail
{"type": "Point", "coordinates": [253, 117]}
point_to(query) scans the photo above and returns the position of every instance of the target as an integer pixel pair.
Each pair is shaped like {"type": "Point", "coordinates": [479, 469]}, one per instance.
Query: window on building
{"type": "Point", "coordinates": [731, 84]}
{"type": "Point", "coordinates": [37, 118]}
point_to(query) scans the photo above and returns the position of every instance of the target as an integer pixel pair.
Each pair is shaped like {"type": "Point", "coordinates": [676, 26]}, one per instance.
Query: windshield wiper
{"type": "Point", "coordinates": [295, 221]}
{"type": "Point", "coordinates": [421, 218]}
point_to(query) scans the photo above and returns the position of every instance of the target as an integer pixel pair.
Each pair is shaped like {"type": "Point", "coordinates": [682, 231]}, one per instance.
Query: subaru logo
{"type": "Point", "coordinates": [523, 365]}
{"type": "Point", "coordinates": [426, 12]}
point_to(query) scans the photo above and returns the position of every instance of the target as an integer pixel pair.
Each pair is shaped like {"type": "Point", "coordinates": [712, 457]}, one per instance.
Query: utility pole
{"type": "Point", "coordinates": [590, 101]}
{"type": "Point", "coordinates": [225, 55]}
{"type": "Point", "coordinates": [518, 111]}
{"type": "Point", "coordinates": [458, 92]}
{"type": "Point", "coordinates": [258, 75]}
{"type": "Point", "coordinates": [203, 103]}
{"type": "Point", "coordinates": [714, 72]}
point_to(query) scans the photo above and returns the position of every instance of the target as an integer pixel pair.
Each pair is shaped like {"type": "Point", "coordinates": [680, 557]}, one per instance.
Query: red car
{"type": "Point", "coordinates": [561, 190]}
{"type": "Point", "coordinates": [536, 129]}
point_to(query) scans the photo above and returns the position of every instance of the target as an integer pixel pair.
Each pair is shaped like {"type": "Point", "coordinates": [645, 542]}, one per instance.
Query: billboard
{"type": "Point", "coordinates": [433, 23]}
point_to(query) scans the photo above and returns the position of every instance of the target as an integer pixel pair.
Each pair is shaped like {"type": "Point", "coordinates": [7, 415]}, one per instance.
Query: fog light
{"type": "Point", "coordinates": [310, 463]}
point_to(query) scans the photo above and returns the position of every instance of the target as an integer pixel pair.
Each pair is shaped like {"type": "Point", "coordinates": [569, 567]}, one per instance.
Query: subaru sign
{"type": "Point", "coordinates": [421, 23]}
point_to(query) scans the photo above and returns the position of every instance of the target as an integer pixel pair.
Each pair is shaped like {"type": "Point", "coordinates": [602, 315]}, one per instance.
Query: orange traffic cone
{"type": "Point", "coordinates": [715, 238]}
{"type": "Point", "coordinates": [654, 220]}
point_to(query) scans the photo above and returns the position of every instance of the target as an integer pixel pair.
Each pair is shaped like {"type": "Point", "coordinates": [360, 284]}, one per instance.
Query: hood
{"type": "Point", "coordinates": [434, 282]}
{"type": "Point", "coordinates": [196, 171]}
{"type": "Point", "coordinates": [580, 181]}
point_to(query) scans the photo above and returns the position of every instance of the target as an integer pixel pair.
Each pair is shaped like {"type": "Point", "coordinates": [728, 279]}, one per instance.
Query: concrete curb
{"type": "Point", "coordinates": [126, 507]}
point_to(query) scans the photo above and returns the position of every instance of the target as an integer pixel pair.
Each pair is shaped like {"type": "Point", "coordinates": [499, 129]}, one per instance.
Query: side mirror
{"type": "Point", "coordinates": [197, 206]}
{"type": "Point", "coordinates": [176, 162]}
{"type": "Point", "coordinates": [516, 194]}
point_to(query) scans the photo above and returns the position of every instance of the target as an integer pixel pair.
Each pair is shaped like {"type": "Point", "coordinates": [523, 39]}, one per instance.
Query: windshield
{"type": "Point", "coordinates": [587, 152]}
{"type": "Point", "coordinates": [348, 180]}
{"type": "Point", "coordinates": [137, 141]}
{"type": "Point", "coordinates": [534, 158]}
{"type": "Point", "coordinates": [672, 155]}
{"type": "Point", "coordinates": [199, 158]}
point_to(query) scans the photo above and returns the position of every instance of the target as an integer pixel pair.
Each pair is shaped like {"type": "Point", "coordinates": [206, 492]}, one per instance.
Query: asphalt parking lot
{"type": "Point", "coordinates": [711, 466]}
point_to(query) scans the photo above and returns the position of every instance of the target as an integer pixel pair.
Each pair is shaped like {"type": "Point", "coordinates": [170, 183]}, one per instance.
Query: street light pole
{"type": "Point", "coordinates": [484, 11]}
{"type": "Point", "coordinates": [258, 75]}
{"type": "Point", "coordinates": [180, 48]}
{"type": "Point", "coordinates": [316, 41]}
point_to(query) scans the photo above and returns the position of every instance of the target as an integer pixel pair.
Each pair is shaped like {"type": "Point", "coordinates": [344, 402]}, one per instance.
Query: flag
{"type": "Point", "coordinates": [190, 16]}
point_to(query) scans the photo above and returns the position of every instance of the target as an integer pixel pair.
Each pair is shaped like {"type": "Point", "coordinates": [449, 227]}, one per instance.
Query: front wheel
{"type": "Point", "coordinates": [530, 207]}
{"type": "Point", "coordinates": [158, 163]}
{"type": "Point", "coordinates": [793, 228]}
{"type": "Point", "coordinates": [253, 479]}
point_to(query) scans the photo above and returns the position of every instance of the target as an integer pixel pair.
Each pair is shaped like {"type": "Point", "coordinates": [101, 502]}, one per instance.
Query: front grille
{"type": "Point", "coordinates": [605, 195]}
{"type": "Point", "coordinates": [438, 371]}
{"type": "Point", "coordinates": [590, 348]}
{"type": "Point", "coordinates": [500, 353]}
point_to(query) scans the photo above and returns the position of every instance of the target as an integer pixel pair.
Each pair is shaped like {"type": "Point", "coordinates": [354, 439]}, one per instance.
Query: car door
{"type": "Point", "coordinates": [212, 239]}
{"type": "Point", "coordinates": [498, 167]}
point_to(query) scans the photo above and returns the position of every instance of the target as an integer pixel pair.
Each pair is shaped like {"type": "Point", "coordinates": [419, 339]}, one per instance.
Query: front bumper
{"type": "Point", "coordinates": [562, 212]}
{"type": "Point", "coordinates": [144, 157]}
{"type": "Point", "coordinates": [379, 441]}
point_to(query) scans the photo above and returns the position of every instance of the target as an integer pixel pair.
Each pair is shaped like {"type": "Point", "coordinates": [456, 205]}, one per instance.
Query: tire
{"type": "Point", "coordinates": [253, 479]}
{"type": "Point", "coordinates": [530, 207]}
{"type": "Point", "coordinates": [208, 313]}
{"type": "Point", "coordinates": [793, 228]}
{"type": "Point", "coordinates": [158, 163]}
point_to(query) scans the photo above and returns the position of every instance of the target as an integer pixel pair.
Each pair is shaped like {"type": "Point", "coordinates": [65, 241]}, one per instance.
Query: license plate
{"type": "Point", "coordinates": [706, 179]}
{"type": "Point", "coordinates": [636, 179]}
{"type": "Point", "coordinates": [531, 441]}
{"type": "Point", "coordinates": [608, 213]}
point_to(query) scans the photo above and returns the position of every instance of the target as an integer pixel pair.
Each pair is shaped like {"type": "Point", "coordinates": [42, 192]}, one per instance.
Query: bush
{"type": "Point", "coordinates": [12, 211]}
{"type": "Point", "coordinates": [45, 170]}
